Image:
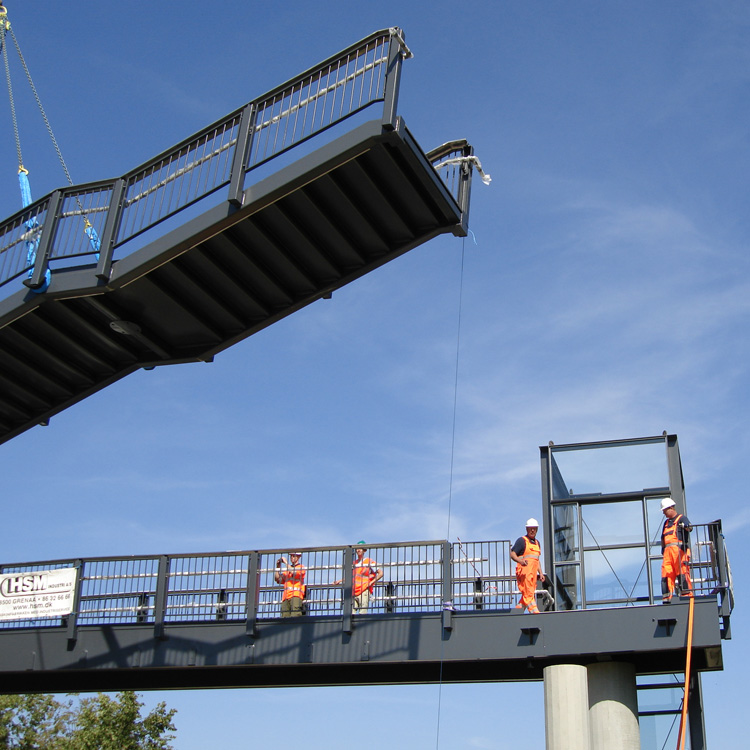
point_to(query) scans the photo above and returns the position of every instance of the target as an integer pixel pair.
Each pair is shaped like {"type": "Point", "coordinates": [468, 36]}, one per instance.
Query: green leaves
{"type": "Point", "coordinates": [39, 722]}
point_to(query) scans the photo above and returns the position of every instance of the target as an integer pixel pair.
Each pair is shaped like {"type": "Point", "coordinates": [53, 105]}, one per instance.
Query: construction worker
{"type": "Point", "coordinates": [292, 578]}
{"type": "Point", "coordinates": [527, 553]}
{"type": "Point", "coordinates": [675, 550]}
{"type": "Point", "coordinates": [365, 574]}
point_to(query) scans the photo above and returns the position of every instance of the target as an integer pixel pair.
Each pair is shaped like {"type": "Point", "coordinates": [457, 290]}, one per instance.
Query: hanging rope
{"type": "Point", "coordinates": [32, 223]}
{"type": "Point", "coordinates": [450, 479]}
{"type": "Point", "coordinates": [4, 28]}
{"type": "Point", "coordinates": [688, 659]}
{"type": "Point", "coordinates": [455, 385]}
{"type": "Point", "coordinates": [39, 104]}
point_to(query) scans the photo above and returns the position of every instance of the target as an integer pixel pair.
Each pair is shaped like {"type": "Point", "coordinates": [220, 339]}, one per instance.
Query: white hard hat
{"type": "Point", "coordinates": [532, 522]}
{"type": "Point", "coordinates": [667, 502]}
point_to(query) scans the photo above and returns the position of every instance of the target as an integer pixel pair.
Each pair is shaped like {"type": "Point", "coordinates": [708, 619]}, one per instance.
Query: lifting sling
{"type": "Point", "coordinates": [32, 225]}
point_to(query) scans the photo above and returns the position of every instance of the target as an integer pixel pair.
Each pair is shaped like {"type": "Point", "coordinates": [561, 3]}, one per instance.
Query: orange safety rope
{"type": "Point", "coordinates": [683, 722]}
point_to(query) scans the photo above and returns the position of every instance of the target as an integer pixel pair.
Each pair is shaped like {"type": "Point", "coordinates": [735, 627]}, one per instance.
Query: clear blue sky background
{"type": "Point", "coordinates": [607, 296]}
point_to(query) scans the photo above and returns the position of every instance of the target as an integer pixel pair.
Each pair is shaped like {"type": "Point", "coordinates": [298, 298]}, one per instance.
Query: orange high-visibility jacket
{"type": "Point", "coordinates": [670, 534]}
{"type": "Point", "coordinates": [362, 573]}
{"type": "Point", "coordinates": [293, 579]}
{"type": "Point", "coordinates": [532, 550]}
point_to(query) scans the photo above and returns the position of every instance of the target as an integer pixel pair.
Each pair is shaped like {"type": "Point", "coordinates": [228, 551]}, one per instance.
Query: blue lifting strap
{"type": "Point", "coordinates": [32, 225]}
{"type": "Point", "coordinates": [32, 241]}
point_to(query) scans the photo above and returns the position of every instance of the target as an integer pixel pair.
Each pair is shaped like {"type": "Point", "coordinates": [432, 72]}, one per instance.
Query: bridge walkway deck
{"type": "Point", "coordinates": [198, 250]}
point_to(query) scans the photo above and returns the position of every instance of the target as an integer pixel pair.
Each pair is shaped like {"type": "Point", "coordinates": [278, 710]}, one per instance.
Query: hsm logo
{"type": "Point", "coordinates": [25, 584]}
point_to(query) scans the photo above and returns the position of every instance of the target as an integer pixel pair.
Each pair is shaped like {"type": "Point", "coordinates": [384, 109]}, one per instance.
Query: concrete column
{"type": "Point", "coordinates": [566, 707]}
{"type": "Point", "coordinates": [613, 707]}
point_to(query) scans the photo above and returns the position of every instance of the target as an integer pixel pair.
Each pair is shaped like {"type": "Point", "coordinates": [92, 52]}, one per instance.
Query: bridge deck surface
{"type": "Point", "coordinates": [300, 234]}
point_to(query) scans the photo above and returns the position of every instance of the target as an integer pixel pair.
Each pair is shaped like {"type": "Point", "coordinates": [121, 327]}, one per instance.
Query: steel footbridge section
{"type": "Point", "coordinates": [442, 612]}
{"type": "Point", "coordinates": [275, 206]}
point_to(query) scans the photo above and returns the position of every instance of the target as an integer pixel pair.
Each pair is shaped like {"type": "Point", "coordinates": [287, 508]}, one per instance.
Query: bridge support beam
{"type": "Point", "coordinates": [613, 706]}
{"type": "Point", "coordinates": [566, 707]}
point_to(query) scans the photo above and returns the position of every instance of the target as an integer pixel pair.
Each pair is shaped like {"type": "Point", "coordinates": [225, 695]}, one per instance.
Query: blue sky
{"type": "Point", "coordinates": [607, 296]}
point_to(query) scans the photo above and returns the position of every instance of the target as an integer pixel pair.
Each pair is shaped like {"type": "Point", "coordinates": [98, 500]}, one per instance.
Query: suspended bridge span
{"type": "Point", "coordinates": [277, 205]}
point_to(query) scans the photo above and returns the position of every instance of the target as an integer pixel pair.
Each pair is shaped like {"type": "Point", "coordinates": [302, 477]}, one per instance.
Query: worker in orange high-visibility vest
{"type": "Point", "coordinates": [675, 550]}
{"type": "Point", "coordinates": [527, 554]}
{"type": "Point", "coordinates": [365, 574]}
{"type": "Point", "coordinates": [292, 578]}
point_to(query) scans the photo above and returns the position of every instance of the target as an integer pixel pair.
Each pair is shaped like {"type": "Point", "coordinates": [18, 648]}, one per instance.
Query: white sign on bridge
{"type": "Point", "coordinates": [39, 593]}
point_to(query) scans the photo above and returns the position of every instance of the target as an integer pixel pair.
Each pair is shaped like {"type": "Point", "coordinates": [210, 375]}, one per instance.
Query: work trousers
{"type": "Point", "coordinates": [526, 576]}
{"type": "Point", "coordinates": [361, 602]}
{"type": "Point", "coordinates": [291, 607]}
{"type": "Point", "coordinates": [675, 572]}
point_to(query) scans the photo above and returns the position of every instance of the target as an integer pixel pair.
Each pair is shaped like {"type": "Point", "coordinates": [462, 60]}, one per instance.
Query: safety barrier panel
{"type": "Point", "coordinates": [15, 235]}
{"type": "Point", "coordinates": [219, 156]}
{"type": "Point", "coordinates": [218, 586]}
{"type": "Point", "coordinates": [237, 586]}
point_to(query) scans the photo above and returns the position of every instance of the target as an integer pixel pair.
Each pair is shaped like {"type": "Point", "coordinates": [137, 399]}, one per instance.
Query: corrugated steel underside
{"type": "Point", "coordinates": [381, 649]}
{"type": "Point", "coordinates": [307, 230]}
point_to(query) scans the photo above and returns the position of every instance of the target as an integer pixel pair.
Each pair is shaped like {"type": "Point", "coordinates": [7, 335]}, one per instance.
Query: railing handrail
{"type": "Point", "coordinates": [232, 552]}
{"type": "Point", "coordinates": [232, 132]}
{"type": "Point", "coordinates": [421, 577]}
{"type": "Point", "coordinates": [394, 33]}
{"type": "Point", "coordinates": [240, 584]}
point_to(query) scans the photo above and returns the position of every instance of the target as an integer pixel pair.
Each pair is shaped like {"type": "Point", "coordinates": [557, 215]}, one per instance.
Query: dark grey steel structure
{"type": "Point", "coordinates": [602, 502]}
{"type": "Point", "coordinates": [442, 612]}
{"type": "Point", "coordinates": [273, 207]}
{"type": "Point", "coordinates": [457, 647]}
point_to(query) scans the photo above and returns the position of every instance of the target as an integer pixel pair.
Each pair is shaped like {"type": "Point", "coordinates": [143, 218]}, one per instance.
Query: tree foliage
{"type": "Point", "coordinates": [39, 722]}
{"type": "Point", "coordinates": [31, 722]}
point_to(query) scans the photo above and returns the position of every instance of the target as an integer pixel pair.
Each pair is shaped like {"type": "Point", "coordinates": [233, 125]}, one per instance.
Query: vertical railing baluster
{"type": "Point", "coordinates": [725, 592]}
{"type": "Point", "coordinates": [348, 599]}
{"type": "Point", "coordinates": [44, 249]}
{"type": "Point", "coordinates": [252, 594]}
{"type": "Point", "coordinates": [73, 616]}
{"type": "Point", "coordinates": [241, 151]}
{"type": "Point", "coordinates": [464, 190]}
{"type": "Point", "coordinates": [446, 593]}
{"type": "Point", "coordinates": [111, 227]}
{"type": "Point", "coordinates": [392, 82]}
{"type": "Point", "coordinates": [160, 603]}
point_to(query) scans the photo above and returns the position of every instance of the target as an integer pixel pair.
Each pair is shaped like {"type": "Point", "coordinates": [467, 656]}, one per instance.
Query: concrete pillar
{"type": "Point", "coordinates": [566, 707]}
{"type": "Point", "coordinates": [613, 707]}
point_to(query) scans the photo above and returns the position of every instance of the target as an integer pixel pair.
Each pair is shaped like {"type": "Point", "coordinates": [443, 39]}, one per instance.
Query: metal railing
{"type": "Point", "coordinates": [15, 235]}
{"type": "Point", "coordinates": [710, 572]}
{"type": "Point", "coordinates": [639, 583]}
{"type": "Point", "coordinates": [236, 586]}
{"type": "Point", "coordinates": [217, 157]}
{"type": "Point", "coordinates": [418, 577]}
